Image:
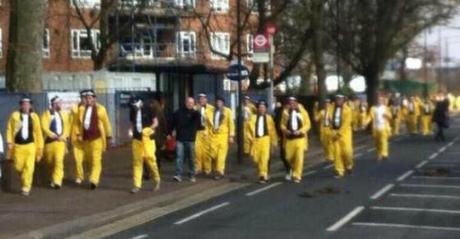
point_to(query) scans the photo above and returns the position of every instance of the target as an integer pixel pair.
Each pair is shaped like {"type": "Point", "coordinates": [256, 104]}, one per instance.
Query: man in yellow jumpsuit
{"type": "Point", "coordinates": [362, 114]}
{"type": "Point", "coordinates": [143, 126]}
{"type": "Point", "coordinates": [412, 113]}
{"type": "Point", "coordinates": [323, 120]}
{"type": "Point", "coordinates": [295, 124]}
{"type": "Point", "coordinates": [426, 117]}
{"type": "Point", "coordinates": [249, 109]}
{"type": "Point", "coordinates": [77, 146]}
{"type": "Point", "coordinates": [261, 134]}
{"type": "Point", "coordinates": [342, 137]}
{"type": "Point", "coordinates": [222, 131]}
{"type": "Point", "coordinates": [25, 142]}
{"type": "Point", "coordinates": [94, 131]}
{"type": "Point", "coordinates": [55, 124]}
{"type": "Point", "coordinates": [380, 116]}
{"type": "Point", "coordinates": [396, 114]}
{"type": "Point", "coordinates": [202, 146]}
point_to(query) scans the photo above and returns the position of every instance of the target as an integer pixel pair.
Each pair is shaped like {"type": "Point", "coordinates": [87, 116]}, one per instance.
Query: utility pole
{"type": "Point", "coordinates": [240, 114]}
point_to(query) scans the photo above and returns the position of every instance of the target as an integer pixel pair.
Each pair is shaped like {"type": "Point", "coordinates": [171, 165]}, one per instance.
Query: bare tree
{"type": "Point", "coordinates": [24, 62]}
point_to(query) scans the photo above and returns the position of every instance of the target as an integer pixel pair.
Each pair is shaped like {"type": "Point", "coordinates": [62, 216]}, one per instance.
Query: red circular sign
{"type": "Point", "coordinates": [270, 28]}
{"type": "Point", "coordinates": [260, 40]}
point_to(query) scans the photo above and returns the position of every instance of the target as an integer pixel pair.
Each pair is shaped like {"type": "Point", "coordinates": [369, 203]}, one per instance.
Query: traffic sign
{"type": "Point", "coordinates": [261, 43]}
{"type": "Point", "coordinates": [270, 28]}
{"type": "Point", "coordinates": [232, 72]}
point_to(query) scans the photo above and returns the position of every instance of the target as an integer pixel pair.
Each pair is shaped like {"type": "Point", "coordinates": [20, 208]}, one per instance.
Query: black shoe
{"type": "Point", "coordinates": [218, 177]}
{"type": "Point", "coordinates": [349, 171]}
{"type": "Point", "coordinates": [93, 186]}
{"type": "Point", "coordinates": [57, 187]}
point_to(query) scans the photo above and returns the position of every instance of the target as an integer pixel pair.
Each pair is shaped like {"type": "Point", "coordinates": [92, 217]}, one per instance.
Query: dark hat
{"type": "Point", "coordinates": [261, 102]}
{"type": "Point", "coordinates": [220, 98]}
{"type": "Point", "coordinates": [55, 99]}
{"type": "Point", "coordinates": [292, 98]}
{"type": "Point", "coordinates": [339, 96]}
{"type": "Point", "coordinates": [90, 93]}
{"type": "Point", "coordinates": [83, 93]}
{"type": "Point", "coordinates": [202, 95]}
{"type": "Point", "coordinates": [25, 99]}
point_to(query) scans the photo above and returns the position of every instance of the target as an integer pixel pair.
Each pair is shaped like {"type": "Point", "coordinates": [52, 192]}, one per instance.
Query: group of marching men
{"type": "Point", "coordinates": [88, 130]}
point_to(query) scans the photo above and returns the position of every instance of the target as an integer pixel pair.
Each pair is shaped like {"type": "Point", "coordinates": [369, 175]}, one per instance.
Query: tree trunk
{"type": "Point", "coordinates": [318, 50]}
{"type": "Point", "coordinates": [403, 67]}
{"type": "Point", "coordinates": [372, 82]}
{"type": "Point", "coordinates": [24, 61]}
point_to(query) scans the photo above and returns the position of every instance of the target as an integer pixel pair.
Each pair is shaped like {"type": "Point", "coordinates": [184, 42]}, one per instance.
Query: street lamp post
{"type": "Point", "coordinates": [240, 135]}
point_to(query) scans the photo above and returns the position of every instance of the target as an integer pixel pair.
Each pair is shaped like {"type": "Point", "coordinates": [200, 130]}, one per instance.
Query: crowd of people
{"type": "Point", "coordinates": [203, 133]}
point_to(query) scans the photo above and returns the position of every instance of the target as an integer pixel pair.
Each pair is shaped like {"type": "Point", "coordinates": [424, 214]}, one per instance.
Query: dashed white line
{"type": "Point", "coordinates": [409, 185]}
{"type": "Point", "coordinates": [199, 214]}
{"type": "Point", "coordinates": [368, 224]}
{"type": "Point", "coordinates": [410, 209]}
{"type": "Point", "coordinates": [433, 156]}
{"type": "Point", "coordinates": [250, 194]}
{"type": "Point", "coordinates": [309, 173]}
{"type": "Point", "coordinates": [371, 150]}
{"type": "Point", "coordinates": [140, 236]}
{"type": "Point", "coordinates": [358, 155]}
{"type": "Point", "coordinates": [382, 191]}
{"type": "Point", "coordinates": [405, 175]}
{"type": "Point", "coordinates": [436, 177]}
{"type": "Point", "coordinates": [442, 149]}
{"type": "Point", "coordinates": [328, 166]}
{"type": "Point", "coordinates": [436, 196]}
{"type": "Point", "coordinates": [345, 219]}
{"type": "Point", "coordinates": [421, 164]}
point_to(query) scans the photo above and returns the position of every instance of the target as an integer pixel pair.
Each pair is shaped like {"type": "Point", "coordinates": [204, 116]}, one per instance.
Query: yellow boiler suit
{"type": "Point", "coordinates": [323, 119]}
{"type": "Point", "coordinates": [356, 123]}
{"type": "Point", "coordinates": [362, 115]}
{"type": "Point", "coordinates": [218, 138]}
{"type": "Point", "coordinates": [55, 150]}
{"type": "Point", "coordinates": [395, 119]}
{"type": "Point", "coordinates": [381, 130]}
{"type": "Point", "coordinates": [426, 117]}
{"type": "Point", "coordinates": [202, 146]}
{"type": "Point", "coordinates": [24, 152]}
{"type": "Point", "coordinates": [295, 145]}
{"type": "Point", "coordinates": [411, 114]}
{"type": "Point", "coordinates": [93, 149]}
{"type": "Point", "coordinates": [77, 146]}
{"type": "Point", "coordinates": [342, 138]}
{"type": "Point", "coordinates": [144, 151]}
{"type": "Point", "coordinates": [260, 144]}
{"type": "Point", "coordinates": [249, 110]}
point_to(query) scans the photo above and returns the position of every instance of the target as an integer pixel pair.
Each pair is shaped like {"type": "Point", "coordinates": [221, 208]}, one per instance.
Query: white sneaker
{"type": "Point", "coordinates": [177, 179]}
{"type": "Point", "coordinates": [78, 181]}
{"type": "Point", "coordinates": [25, 193]}
{"type": "Point", "coordinates": [135, 190]}
{"type": "Point", "coordinates": [192, 179]}
{"type": "Point", "coordinates": [156, 187]}
{"type": "Point", "coordinates": [288, 176]}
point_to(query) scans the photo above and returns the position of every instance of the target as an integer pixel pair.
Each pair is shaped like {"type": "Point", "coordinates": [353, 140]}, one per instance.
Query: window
{"type": "Point", "coordinates": [186, 4]}
{"type": "Point", "coordinates": [250, 45]}
{"type": "Point", "coordinates": [86, 3]}
{"type": "Point", "coordinates": [219, 5]}
{"type": "Point", "coordinates": [252, 5]}
{"type": "Point", "coordinates": [130, 3]}
{"type": "Point", "coordinates": [186, 43]}
{"type": "Point", "coordinates": [1, 44]}
{"type": "Point", "coordinates": [220, 42]}
{"type": "Point", "coordinates": [46, 44]}
{"type": "Point", "coordinates": [81, 42]}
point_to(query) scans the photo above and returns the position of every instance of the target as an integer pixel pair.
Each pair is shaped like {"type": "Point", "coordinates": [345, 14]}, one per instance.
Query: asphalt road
{"type": "Point", "coordinates": [415, 194]}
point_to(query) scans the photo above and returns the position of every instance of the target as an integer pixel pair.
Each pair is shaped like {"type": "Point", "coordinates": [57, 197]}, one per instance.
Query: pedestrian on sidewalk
{"type": "Point", "coordinates": [426, 117]}
{"type": "Point", "coordinates": [342, 137]}
{"type": "Point", "coordinates": [261, 135]}
{"type": "Point", "coordinates": [380, 116]}
{"type": "Point", "coordinates": [441, 117]}
{"type": "Point", "coordinates": [25, 142]}
{"type": "Point", "coordinates": [95, 132]}
{"type": "Point", "coordinates": [56, 127]}
{"type": "Point", "coordinates": [77, 145]}
{"type": "Point", "coordinates": [295, 124]}
{"type": "Point", "coordinates": [279, 110]}
{"type": "Point", "coordinates": [222, 132]}
{"type": "Point", "coordinates": [323, 119]}
{"type": "Point", "coordinates": [143, 125]}
{"type": "Point", "coordinates": [202, 146]}
{"type": "Point", "coordinates": [185, 122]}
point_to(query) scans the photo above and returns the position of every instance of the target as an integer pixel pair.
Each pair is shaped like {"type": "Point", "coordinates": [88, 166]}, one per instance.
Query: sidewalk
{"type": "Point", "coordinates": [76, 208]}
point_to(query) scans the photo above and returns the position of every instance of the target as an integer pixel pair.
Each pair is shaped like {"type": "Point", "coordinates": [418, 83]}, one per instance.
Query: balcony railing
{"type": "Point", "coordinates": [154, 51]}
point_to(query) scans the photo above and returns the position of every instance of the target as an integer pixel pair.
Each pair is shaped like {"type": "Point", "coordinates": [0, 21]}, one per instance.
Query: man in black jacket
{"type": "Point", "coordinates": [185, 123]}
{"type": "Point", "coordinates": [441, 117]}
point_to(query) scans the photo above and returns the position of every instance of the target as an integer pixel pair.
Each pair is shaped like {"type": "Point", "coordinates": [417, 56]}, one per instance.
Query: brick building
{"type": "Point", "coordinates": [171, 39]}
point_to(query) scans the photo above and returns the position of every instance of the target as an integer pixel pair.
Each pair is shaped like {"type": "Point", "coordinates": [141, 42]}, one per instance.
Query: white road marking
{"type": "Point", "coordinates": [328, 166]}
{"type": "Point", "coordinates": [371, 150]}
{"type": "Point", "coordinates": [199, 214]}
{"type": "Point", "coordinates": [421, 164]}
{"type": "Point", "coordinates": [250, 194]}
{"type": "Point", "coordinates": [435, 196]}
{"type": "Point", "coordinates": [436, 177]}
{"type": "Point", "coordinates": [140, 236]}
{"type": "Point", "coordinates": [358, 155]}
{"type": "Point", "coordinates": [450, 144]}
{"type": "Point", "coordinates": [442, 149]}
{"type": "Point", "coordinates": [382, 191]}
{"type": "Point", "coordinates": [433, 156]}
{"type": "Point", "coordinates": [405, 175]}
{"type": "Point", "coordinates": [410, 209]}
{"type": "Point", "coordinates": [345, 219]}
{"type": "Point", "coordinates": [369, 224]}
{"type": "Point", "coordinates": [409, 185]}
{"type": "Point", "coordinates": [309, 173]}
